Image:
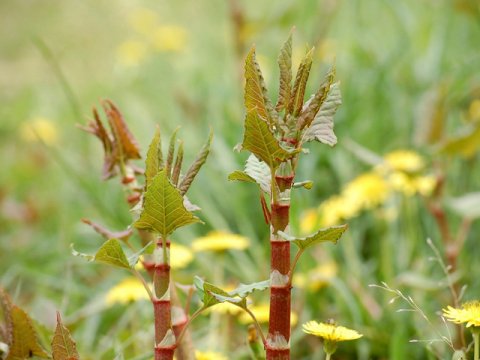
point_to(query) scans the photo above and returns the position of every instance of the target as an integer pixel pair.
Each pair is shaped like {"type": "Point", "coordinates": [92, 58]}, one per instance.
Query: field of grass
{"type": "Point", "coordinates": [410, 80]}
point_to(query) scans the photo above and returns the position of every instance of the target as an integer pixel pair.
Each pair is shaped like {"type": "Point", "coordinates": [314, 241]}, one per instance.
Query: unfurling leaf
{"type": "Point", "coordinates": [305, 184]}
{"type": "Point", "coordinates": [321, 129]}
{"type": "Point", "coordinates": [260, 172]}
{"type": "Point", "coordinates": [171, 151]}
{"type": "Point", "coordinates": [298, 93]}
{"type": "Point", "coordinates": [25, 342]}
{"type": "Point", "coordinates": [312, 107]}
{"type": "Point", "coordinates": [63, 346]}
{"type": "Point", "coordinates": [256, 96]}
{"type": "Point", "coordinates": [122, 135]}
{"type": "Point", "coordinates": [331, 234]}
{"type": "Point", "coordinates": [154, 158]}
{"type": "Point", "coordinates": [285, 65]}
{"type": "Point", "coordinates": [259, 140]}
{"type": "Point", "coordinates": [178, 164]}
{"type": "Point", "coordinates": [195, 167]}
{"type": "Point", "coordinates": [163, 209]}
{"type": "Point", "coordinates": [111, 253]}
{"type": "Point", "coordinates": [212, 295]}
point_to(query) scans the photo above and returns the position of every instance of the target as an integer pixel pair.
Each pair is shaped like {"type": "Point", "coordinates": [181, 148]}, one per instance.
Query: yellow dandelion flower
{"type": "Point", "coordinates": [425, 185]}
{"type": "Point", "coordinates": [169, 38]}
{"type": "Point", "coordinates": [309, 221]}
{"type": "Point", "coordinates": [180, 256]}
{"type": "Point", "coordinates": [128, 290]}
{"type": "Point", "coordinates": [299, 280]}
{"type": "Point", "coordinates": [262, 314]}
{"type": "Point", "coordinates": [39, 128]}
{"type": "Point", "coordinates": [209, 355]}
{"type": "Point", "coordinates": [143, 20]}
{"type": "Point", "coordinates": [404, 160]}
{"type": "Point", "coordinates": [226, 308]}
{"type": "Point", "coordinates": [330, 332]}
{"type": "Point", "coordinates": [220, 241]}
{"type": "Point", "coordinates": [367, 190]}
{"type": "Point", "coordinates": [469, 313]}
{"type": "Point", "coordinates": [336, 209]}
{"type": "Point", "coordinates": [132, 52]}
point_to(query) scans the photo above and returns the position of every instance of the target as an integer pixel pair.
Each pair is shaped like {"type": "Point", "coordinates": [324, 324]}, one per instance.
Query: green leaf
{"type": "Point", "coordinates": [238, 175]}
{"type": "Point", "coordinates": [308, 184]}
{"type": "Point", "coordinates": [63, 346]}
{"type": "Point", "coordinates": [467, 205]}
{"type": "Point", "coordinates": [260, 141]}
{"type": "Point", "coordinates": [465, 145]}
{"type": "Point", "coordinates": [243, 290]}
{"type": "Point", "coordinates": [163, 209]}
{"type": "Point", "coordinates": [154, 158]}
{"type": "Point", "coordinates": [79, 254]}
{"type": "Point", "coordinates": [196, 166]}
{"type": "Point", "coordinates": [6, 306]}
{"type": "Point", "coordinates": [256, 96]}
{"type": "Point", "coordinates": [25, 342]}
{"type": "Point", "coordinates": [312, 106]}
{"type": "Point", "coordinates": [212, 295]}
{"type": "Point", "coordinates": [298, 93]}
{"type": "Point", "coordinates": [111, 253]}
{"type": "Point", "coordinates": [147, 249]}
{"type": "Point", "coordinates": [285, 65]}
{"type": "Point", "coordinates": [323, 235]}
{"type": "Point", "coordinates": [321, 129]}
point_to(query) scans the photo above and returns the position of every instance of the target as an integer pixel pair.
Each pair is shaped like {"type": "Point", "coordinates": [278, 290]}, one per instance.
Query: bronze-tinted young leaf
{"type": "Point", "coordinates": [63, 345]}
{"type": "Point", "coordinates": [285, 65]}
{"type": "Point", "coordinates": [256, 96]}
{"type": "Point", "coordinates": [111, 253]}
{"type": "Point", "coordinates": [121, 133]}
{"type": "Point", "coordinates": [296, 102]}
{"type": "Point", "coordinates": [196, 166]}
{"type": "Point", "coordinates": [25, 344]}
{"type": "Point", "coordinates": [152, 162]}
{"type": "Point", "coordinates": [331, 234]}
{"type": "Point", "coordinates": [312, 107]}
{"type": "Point", "coordinates": [163, 209]}
{"type": "Point", "coordinates": [171, 153]}
{"type": "Point", "coordinates": [178, 165]}
{"type": "Point", "coordinates": [259, 140]}
{"type": "Point", "coordinates": [321, 128]}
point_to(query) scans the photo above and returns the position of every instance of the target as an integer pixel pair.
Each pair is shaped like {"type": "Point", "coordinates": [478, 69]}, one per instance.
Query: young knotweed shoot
{"type": "Point", "coordinates": [161, 209]}
{"type": "Point", "coordinates": [276, 140]}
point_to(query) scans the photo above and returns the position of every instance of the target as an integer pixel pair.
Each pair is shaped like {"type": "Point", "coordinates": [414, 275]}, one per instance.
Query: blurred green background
{"type": "Point", "coordinates": [403, 66]}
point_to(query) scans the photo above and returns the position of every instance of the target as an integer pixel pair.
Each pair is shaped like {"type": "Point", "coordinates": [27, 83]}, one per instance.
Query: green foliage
{"type": "Point", "coordinates": [260, 141]}
{"type": "Point", "coordinates": [256, 171]}
{"type": "Point", "coordinates": [111, 253]}
{"type": "Point", "coordinates": [331, 234]}
{"type": "Point", "coordinates": [296, 103]}
{"type": "Point", "coordinates": [285, 65]}
{"type": "Point", "coordinates": [63, 345]}
{"type": "Point", "coordinates": [163, 210]}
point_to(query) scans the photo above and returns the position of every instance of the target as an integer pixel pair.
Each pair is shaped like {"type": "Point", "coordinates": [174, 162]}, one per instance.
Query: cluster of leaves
{"type": "Point", "coordinates": [19, 338]}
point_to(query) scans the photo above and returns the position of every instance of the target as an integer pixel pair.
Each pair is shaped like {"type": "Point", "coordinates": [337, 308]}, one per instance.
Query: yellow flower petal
{"type": "Point", "coordinates": [404, 160]}
{"type": "Point", "coordinates": [469, 313]}
{"type": "Point", "coordinates": [220, 241]}
{"type": "Point", "coordinates": [309, 221]}
{"type": "Point", "coordinates": [330, 332]}
{"type": "Point", "coordinates": [169, 38]}
{"type": "Point", "coordinates": [132, 52]}
{"type": "Point", "coordinates": [209, 355]}
{"type": "Point", "coordinates": [180, 256]}
{"type": "Point", "coordinates": [129, 290]}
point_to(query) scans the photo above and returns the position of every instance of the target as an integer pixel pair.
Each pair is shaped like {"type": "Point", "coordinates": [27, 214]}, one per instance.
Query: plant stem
{"type": "Point", "coordinates": [328, 356]}
{"type": "Point", "coordinates": [277, 345]}
{"type": "Point", "coordinates": [162, 307]}
{"type": "Point", "coordinates": [476, 339]}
